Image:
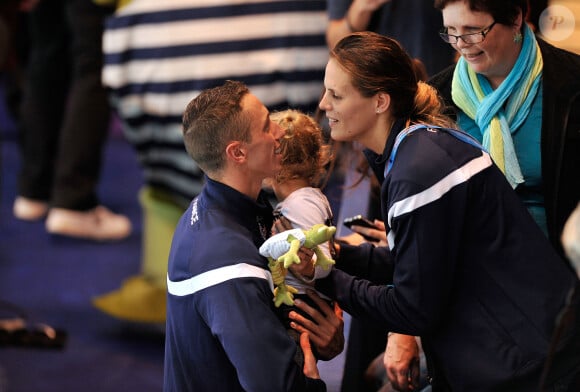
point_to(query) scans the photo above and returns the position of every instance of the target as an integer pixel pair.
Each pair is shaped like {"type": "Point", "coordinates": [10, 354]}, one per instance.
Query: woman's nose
{"type": "Point", "coordinates": [323, 103]}
{"type": "Point", "coordinates": [460, 44]}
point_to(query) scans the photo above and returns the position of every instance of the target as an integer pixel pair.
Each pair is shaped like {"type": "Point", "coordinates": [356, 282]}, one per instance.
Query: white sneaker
{"type": "Point", "coordinates": [98, 224]}
{"type": "Point", "coordinates": [29, 209]}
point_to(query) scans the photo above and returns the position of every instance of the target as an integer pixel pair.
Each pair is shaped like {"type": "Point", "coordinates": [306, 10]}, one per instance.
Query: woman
{"type": "Point", "coordinates": [466, 254]}
{"type": "Point", "coordinates": [505, 85]}
{"type": "Point", "coordinates": [508, 83]}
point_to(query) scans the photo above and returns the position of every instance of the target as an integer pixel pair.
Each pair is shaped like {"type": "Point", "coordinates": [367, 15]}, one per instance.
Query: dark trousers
{"type": "Point", "coordinates": [365, 342]}
{"type": "Point", "coordinates": [65, 112]}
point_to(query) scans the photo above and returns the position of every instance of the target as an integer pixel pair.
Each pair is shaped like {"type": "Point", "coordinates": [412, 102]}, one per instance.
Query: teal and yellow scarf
{"type": "Point", "coordinates": [498, 113]}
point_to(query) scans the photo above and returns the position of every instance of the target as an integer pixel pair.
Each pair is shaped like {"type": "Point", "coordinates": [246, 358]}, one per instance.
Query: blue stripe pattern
{"type": "Point", "coordinates": [216, 12]}
{"type": "Point", "coordinates": [158, 56]}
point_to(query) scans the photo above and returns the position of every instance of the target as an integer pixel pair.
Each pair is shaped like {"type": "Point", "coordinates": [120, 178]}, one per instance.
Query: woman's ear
{"type": "Point", "coordinates": [518, 22]}
{"type": "Point", "coordinates": [383, 102]}
{"type": "Point", "coordinates": [235, 152]}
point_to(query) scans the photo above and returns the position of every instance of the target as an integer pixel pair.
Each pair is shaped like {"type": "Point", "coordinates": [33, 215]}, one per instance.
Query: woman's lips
{"type": "Point", "coordinates": [471, 56]}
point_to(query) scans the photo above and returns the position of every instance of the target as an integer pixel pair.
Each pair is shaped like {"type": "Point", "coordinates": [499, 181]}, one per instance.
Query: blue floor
{"type": "Point", "coordinates": [53, 279]}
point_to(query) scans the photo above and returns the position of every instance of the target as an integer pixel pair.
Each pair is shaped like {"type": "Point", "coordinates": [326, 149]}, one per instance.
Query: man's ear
{"type": "Point", "coordinates": [235, 152]}
{"type": "Point", "coordinates": [383, 102]}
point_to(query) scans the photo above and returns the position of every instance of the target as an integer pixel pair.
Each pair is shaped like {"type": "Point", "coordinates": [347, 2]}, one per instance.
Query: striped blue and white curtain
{"type": "Point", "coordinates": [161, 54]}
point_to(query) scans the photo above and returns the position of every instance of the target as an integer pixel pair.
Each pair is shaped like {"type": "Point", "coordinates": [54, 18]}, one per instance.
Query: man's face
{"type": "Point", "coordinates": [263, 151]}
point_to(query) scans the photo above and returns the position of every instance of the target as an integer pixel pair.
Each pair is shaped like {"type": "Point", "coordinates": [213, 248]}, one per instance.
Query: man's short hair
{"type": "Point", "coordinates": [212, 120]}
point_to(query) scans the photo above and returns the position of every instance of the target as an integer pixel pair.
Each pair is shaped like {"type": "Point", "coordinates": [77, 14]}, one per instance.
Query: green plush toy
{"type": "Point", "coordinates": [282, 251]}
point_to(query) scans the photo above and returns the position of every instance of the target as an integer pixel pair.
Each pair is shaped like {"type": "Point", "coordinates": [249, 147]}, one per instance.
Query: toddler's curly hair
{"type": "Point", "coordinates": [304, 154]}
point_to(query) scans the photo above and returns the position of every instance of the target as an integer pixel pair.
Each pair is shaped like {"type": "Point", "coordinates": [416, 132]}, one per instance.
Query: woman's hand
{"type": "Point", "coordinates": [378, 233]}
{"type": "Point", "coordinates": [306, 267]}
{"type": "Point", "coordinates": [401, 362]}
{"type": "Point", "coordinates": [326, 331]}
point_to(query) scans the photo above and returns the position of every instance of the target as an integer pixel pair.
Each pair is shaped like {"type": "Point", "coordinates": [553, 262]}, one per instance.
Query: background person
{"type": "Point", "coordinates": [64, 123]}
{"type": "Point", "coordinates": [414, 23]}
{"type": "Point", "coordinates": [519, 96]}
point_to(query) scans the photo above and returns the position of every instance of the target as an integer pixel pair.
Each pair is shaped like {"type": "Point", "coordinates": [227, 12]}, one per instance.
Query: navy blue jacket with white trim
{"type": "Point", "coordinates": [560, 144]}
{"type": "Point", "coordinates": [222, 332]}
{"type": "Point", "coordinates": [474, 276]}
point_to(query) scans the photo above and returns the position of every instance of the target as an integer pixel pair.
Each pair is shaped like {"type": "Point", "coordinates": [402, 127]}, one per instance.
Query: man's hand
{"type": "Point", "coordinates": [310, 369]}
{"type": "Point", "coordinates": [401, 362]}
{"type": "Point", "coordinates": [326, 332]}
{"type": "Point", "coordinates": [306, 266]}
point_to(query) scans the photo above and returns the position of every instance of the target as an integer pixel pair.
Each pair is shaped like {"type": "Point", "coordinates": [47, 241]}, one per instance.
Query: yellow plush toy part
{"type": "Point", "coordinates": [142, 297]}
{"type": "Point", "coordinates": [282, 251]}
{"type": "Point", "coordinates": [110, 3]}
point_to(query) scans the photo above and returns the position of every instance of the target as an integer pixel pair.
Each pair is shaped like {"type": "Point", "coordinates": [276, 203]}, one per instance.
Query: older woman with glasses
{"type": "Point", "coordinates": [520, 97]}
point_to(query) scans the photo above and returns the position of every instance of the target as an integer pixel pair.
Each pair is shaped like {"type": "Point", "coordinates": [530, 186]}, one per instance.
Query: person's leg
{"type": "Point", "coordinates": [86, 121]}
{"type": "Point", "coordinates": [75, 210]}
{"type": "Point", "coordinates": [365, 342]}
{"type": "Point", "coordinates": [43, 102]}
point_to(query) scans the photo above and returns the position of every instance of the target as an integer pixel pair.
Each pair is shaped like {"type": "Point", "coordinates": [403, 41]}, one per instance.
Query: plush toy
{"type": "Point", "coordinates": [282, 251]}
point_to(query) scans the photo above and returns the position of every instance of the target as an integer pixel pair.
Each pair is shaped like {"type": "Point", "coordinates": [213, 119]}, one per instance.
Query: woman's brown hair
{"type": "Point", "coordinates": [377, 63]}
{"type": "Point", "coordinates": [504, 12]}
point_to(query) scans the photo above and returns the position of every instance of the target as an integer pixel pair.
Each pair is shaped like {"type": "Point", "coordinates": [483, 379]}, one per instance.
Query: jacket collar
{"type": "Point", "coordinates": [377, 162]}
{"type": "Point", "coordinates": [240, 207]}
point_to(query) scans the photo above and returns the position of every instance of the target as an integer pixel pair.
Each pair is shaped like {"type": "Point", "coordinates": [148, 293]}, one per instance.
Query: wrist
{"type": "Point", "coordinates": [348, 23]}
{"type": "Point", "coordinates": [335, 250]}
{"type": "Point", "coordinates": [357, 19]}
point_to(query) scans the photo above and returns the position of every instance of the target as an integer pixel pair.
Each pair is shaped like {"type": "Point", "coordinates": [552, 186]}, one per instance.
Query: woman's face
{"type": "Point", "coordinates": [496, 55]}
{"type": "Point", "coordinates": [351, 116]}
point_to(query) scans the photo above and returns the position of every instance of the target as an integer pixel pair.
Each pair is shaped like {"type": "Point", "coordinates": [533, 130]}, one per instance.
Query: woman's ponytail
{"type": "Point", "coordinates": [429, 108]}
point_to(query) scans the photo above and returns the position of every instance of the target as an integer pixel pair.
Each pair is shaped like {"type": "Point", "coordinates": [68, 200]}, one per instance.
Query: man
{"type": "Point", "coordinates": [222, 333]}
{"type": "Point", "coordinates": [146, 45]}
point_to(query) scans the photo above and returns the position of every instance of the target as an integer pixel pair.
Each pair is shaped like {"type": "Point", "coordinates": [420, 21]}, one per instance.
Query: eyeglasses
{"type": "Point", "coordinates": [471, 38]}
